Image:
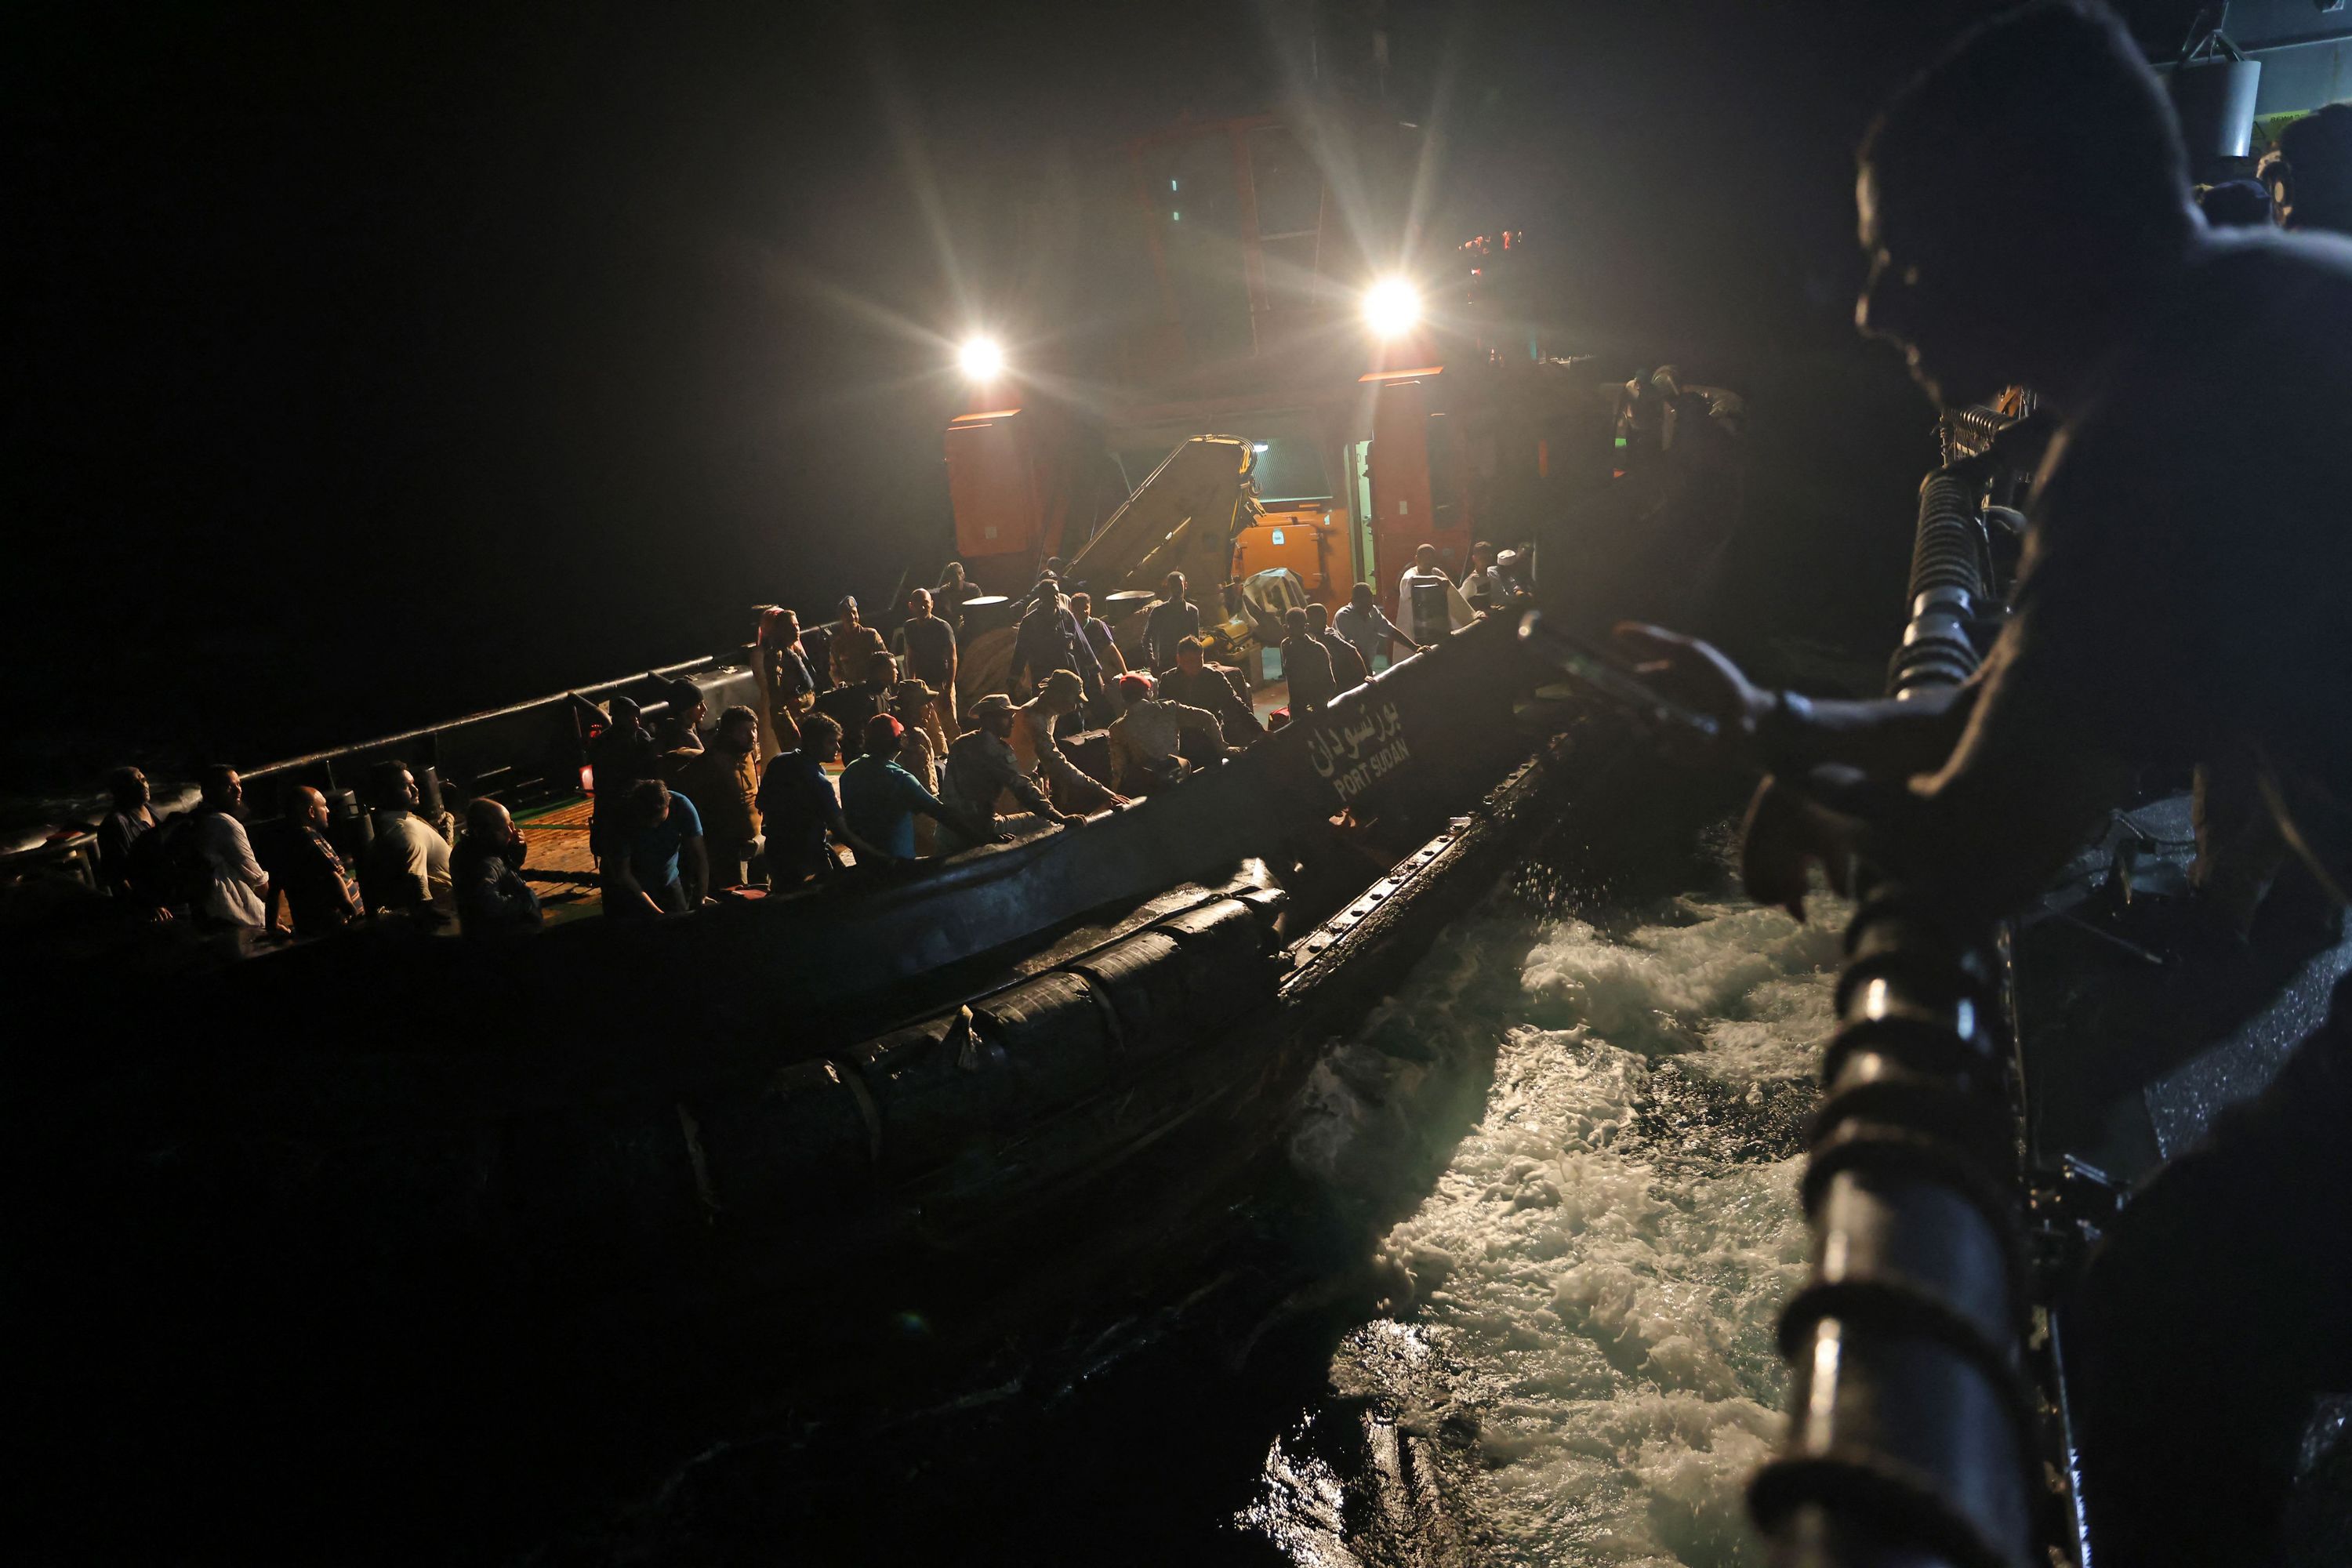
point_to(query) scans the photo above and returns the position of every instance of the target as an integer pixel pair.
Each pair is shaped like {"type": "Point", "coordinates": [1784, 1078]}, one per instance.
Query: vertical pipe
{"type": "Point", "coordinates": [1911, 1433]}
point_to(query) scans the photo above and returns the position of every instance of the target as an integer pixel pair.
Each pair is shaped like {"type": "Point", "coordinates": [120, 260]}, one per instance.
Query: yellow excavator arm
{"type": "Point", "coordinates": [1184, 517]}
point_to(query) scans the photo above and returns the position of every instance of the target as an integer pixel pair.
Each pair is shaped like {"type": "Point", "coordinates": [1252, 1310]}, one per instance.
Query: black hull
{"type": "Point", "coordinates": [419, 1241]}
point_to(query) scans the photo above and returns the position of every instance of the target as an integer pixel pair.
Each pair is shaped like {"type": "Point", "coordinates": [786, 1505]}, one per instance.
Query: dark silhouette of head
{"type": "Point", "coordinates": [738, 731]}
{"type": "Point", "coordinates": [820, 737]}
{"type": "Point", "coordinates": [305, 804]}
{"type": "Point", "coordinates": [129, 788]}
{"type": "Point", "coordinates": [621, 711]}
{"type": "Point", "coordinates": [2318, 152]}
{"type": "Point", "coordinates": [391, 787]}
{"type": "Point", "coordinates": [488, 823]}
{"type": "Point", "coordinates": [648, 805]}
{"type": "Point", "coordinates": [2021, 201]}
{"type": "Point", "coordinates": [2235, 204]}
{"type": "Point", "coordinates": [882, 736]}
{"type": "Point", "coordinates": [1361, 595]}
{"type": "Point", "coordinates": [1318, 616]}
{"type": "Point", "coordinates": [686, 703]}
{"type": "Point", "coordinates": [224, 790]}
{"type": "Point", "coordinates": [1191, 653]}
{"type": "Point", "coordinates": [1294, 618]}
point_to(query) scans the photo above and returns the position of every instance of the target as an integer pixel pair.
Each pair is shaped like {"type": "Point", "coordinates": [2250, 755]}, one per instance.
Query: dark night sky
{"type": "Point", "coordinates": [373, 366]}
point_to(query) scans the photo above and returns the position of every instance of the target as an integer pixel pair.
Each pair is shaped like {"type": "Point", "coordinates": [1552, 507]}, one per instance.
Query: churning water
{"type": "Point", "coordinates": [1572, 1362]}
{"type": "Point", "coordinates": [1569, 1143]}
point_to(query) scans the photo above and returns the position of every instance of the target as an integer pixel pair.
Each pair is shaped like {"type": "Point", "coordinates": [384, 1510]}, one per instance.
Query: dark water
{"type": "Point", "coordinates": [1509, 1300]}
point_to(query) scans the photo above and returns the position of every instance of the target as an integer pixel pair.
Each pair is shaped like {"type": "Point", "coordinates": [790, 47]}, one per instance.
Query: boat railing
{"type": "Point", "coordinates": [1911, 1429]}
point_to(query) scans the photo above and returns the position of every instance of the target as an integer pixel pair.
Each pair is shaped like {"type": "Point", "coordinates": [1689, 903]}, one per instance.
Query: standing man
{"type": "Point", "coordinates": [981, 768]}
{"type": "Point", "coordinates": [2144, 632]}
{"type": "Point", "coordinates": [620, 752]}
{"type": "Point", "coordinates": [1306, 666]}
{"type": "Point", "coordinates": [784, 675]}
{"type": "Point", "coordinates": [1172, 620]}
{"type": "Point", "coordinates": [927, 648]}
{"type": "Point", "coordinates": [855, 645]}
{"type": "Point", "coordinates": [1096, 632]}
{"type": "Point", "coordinates": [1049, 639]}
{"type": "Point", "coordinates": [1360, 622]}
{"type": "Point", "coordinates": [1426, 598]}
{"type": "Point", "coordinates": [1482, 587]}
{"type": "Point", "coordinates": [1348, 669]}
{"type": "Point", "coordinates": [724, 777]}
{"type": "Point", "coordinates": [953, 589]}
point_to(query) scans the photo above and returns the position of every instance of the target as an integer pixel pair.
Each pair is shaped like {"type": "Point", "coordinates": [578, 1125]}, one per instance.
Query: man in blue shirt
{"type": "Point", "coordinates": [882, 799]}
{"type": "Point", "coordinates": [657, 865]}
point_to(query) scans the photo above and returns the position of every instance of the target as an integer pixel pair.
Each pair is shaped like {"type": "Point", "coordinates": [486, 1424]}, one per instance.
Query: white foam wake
{"type": "Point", "coordinates": [1582, 1306]}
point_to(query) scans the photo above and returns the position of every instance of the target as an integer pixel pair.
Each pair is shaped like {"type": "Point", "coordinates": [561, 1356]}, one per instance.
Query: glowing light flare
{"type": "Point", "coordinates": [981, 359]}
{"type": "Point", "coordinates": [1392, 308]}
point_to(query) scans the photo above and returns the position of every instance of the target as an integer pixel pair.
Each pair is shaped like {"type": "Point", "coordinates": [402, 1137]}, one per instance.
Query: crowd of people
{"type": "Point", "coordinates": [684, 808]}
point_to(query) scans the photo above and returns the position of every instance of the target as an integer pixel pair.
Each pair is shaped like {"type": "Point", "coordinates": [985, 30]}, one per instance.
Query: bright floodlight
{"type": "Point", "coordinates": [1392, 307]}
{"type": "Point", "coordinates": [980, 358]}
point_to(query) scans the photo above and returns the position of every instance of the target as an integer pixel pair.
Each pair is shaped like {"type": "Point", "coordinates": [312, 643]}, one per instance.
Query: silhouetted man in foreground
{"type": "Point", "coordinates": [2025, 209]}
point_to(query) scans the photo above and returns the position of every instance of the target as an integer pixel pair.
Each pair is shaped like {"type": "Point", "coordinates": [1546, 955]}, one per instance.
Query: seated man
{"type": "Point", "coordinates": [723, 779]}
{"type": "Point", "coordinates": [123, 868]}
{"type": "Point", "coordinates": [681, 728]}
{"type": "Point", "coordinates": [234, 891]}
{"type": "Point", "coordinates": [1146, 739]}
{"type": "Point", "coordinates": [657, 866]}
{"type": "Point", "coordinates": [487, 870]}
{"type": "Point", "coordinates": [407, 864]}
{"type": "Point", "coordinates": [981, 770]}
{"type": "Point", "coordinates": [1037, 750]}
{"type": "Point", "coordinates": [881, 799]}
{"type": "Point", "coordinates": [321, 895]}
{"type": "Point", "coordinates": [1197, 683]}
{"type": "Point", "coordinates": [798, 808]}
